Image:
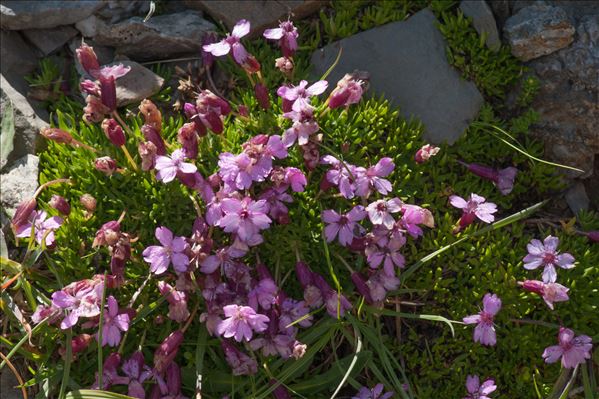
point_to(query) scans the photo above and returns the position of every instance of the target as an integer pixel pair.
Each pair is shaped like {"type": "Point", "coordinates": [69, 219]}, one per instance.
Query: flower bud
{"type": "Point", "coordinates": [285, 65]}
{"type": "Point", "coordinates": [114, 132]}
{"type": "Point", "coordinates": [167, 351]}
{"type": "Point", "coordinates": [94, 111]}
{"type": "Point", "coordinates": [173, 379]}
{"type": "Point", "coordinates": [88, 59]}
{"type": "Point", "coordinates": [361, 286]}
{"type": "Point", "coordinates": [151, 114]}
{"type": "Point", "coordinates": [23, 213]}
{"type": "Point", "coordinates": [102, 234]}
{"type": "Point", "coordinates": [153, 135]}
{"type": "Point", "coordinates": [90, 87]}
{"type": "Point", "coordinates": [105, 165]}
{"type": "Point", "coordinates": [304, 274]}
{"type": "Point", "coordinates": [147, 152]}
{"type": "Point", "coordinates": [261, 93]}
{"type": "Point", "coordinates": [348, 91]}
{"type": "Point", "coordinates": [243, 111]}
{"type": "Point", "coordinates": [57, 135]}
{"type": "Point", "coordinates": [60, 204]}
{"type": "Point", "coordinates": [188, 139]}
{"type": "Point", "coordinates": [425, 153]}
{"type": "Point", "coordinates": [88, 202]}
{"type": "Point", "coordinates": [311, 155]}
{"type": "Point", "coordinates": [280, 392]}
{"type": "Point", "coordinates": [535, 286]}
{"type": "Point", "coordinates": [251, 64]}
{"type": "Point", "coordinates": [108, 92]}
{"type": "Point", "coordinates": [593, 236]}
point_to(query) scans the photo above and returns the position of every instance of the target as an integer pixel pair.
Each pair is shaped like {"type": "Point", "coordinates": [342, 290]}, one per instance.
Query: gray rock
{"type": "Point", "coordinates": [118, 10]}
{"type": "Point", "coordinates": [8, 381]}
{"type": "Point", "coordinates": [35, 14]}
{"type": "Point", "coordinates": [577, 198]}
{"type": "Point", "coordinates": [19, 183]}
{"type": "Point", "coordinates": [261, 14]}
{"type": "Point", "coordinates": [48, 40]}
{"type": "Point", "coordinates": [16, 56]}
{"type": "Point", "coordinates": [28, 121]}
{"type": "Point", "coordinates": [138, 84]}
{"type": "Point", "coordinates": [407, 63]}
{"type": "Point", "coordinates": [162, 37]}
{"type": "Point", "coordinates": [483, 21]}
{"type": "Point", "coordinates": [538, 30]}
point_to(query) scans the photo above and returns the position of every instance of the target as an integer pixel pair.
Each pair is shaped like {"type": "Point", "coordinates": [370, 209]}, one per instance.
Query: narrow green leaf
{"type": "Point", "coordinates": [388, 312]}
{"type": "Point", "coordinates": [95, 394]}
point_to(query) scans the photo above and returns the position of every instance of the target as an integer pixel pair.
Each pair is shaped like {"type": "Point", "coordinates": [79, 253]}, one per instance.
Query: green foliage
{"type": "Point", "coordinates": [493, 72]}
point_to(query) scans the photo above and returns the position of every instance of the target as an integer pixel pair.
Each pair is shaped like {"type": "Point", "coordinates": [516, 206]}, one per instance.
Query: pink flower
{"type": "Point", "coordinates": [374, 393]}
{"type": "Point", "coordinates": [573, 350]}
{"type": "Point", "coordinates": [246, 218]}
{"type": "Point", "coordinates": [341, 175]}
{"type": "Point", "coordinates": [478, 391]}
{"type": "Point", "coordinates": [475, 207]}
{"type": "Point", "coordinates": [81, 299]}
{"type": "Point", "coordinates": [300, 95]}
{"type": "Point", "coordinates": [502, 178]}
{"type": "Point", "coordinates": [484, 332]}
{"type": "Point", "coordinates": [551, 292]}
{"type": "Point", "coordinates": [372, 179]}
{"type": "Point", "coordinates": [546, 254]}
{"type": "Point", "coordinates": [348, 91]}
{"type": "Point", "coordinates": [380, 211]}
{"type": "Point", "coordinates": [208, 112]}
{"type": "Point", "coordinates": [240, 323]}
{"type": "Point", "coordinates": [287, 35]}
{"type": "Point", "coordinates": [137, 371]}
{"type": "Point", "coordinates": [386, 251]}
{"type": "Point", "coordinates": [425, 153]}
{"type": "Point", "coordinates": [241, 363]}
{"type": "Point", "coordinates": [172, 250]}
{"type": "Point", "coordinates": [413, 216]}
{"type": "Point", "coordinates": [114, 323]}
{"type": "Point", "coordinates": [177, 302]}
{"type": "Point", "coordinates": [344, 225]}
{"type": "Point", "coordinates": [168, 167]}
{"type": "Point", "coordinates": [231, 42]}
{"type": "Point", "coordinates": [43, 227]}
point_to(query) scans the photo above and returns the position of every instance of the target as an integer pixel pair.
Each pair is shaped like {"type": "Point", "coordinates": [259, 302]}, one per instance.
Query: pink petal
{"type": "Point", "coordinates": [241, 28]}
{"type": "Point", "coordinates": [317, 88]}
{"type": "Point", "coordinates": [330, 231]}
{"type": "Point", "coordinates": [240, 54]}
{"type": "Point", "coordinates": [471, 319]}
{"type": "Point", "coordinates": [186, 167]}
{"type": "Point", "coordinates": [273, 34]}
{"type": "Point", "coordinates": [549, 274]}
{"type": "Point", "coordinates": [330, 216]}
{"type": "Point", "coordinates": [535, 247]}
{"type": "Point", "coordinates": [551, 243]}
{"type": "Point", "coordinates": [218, 49]}
{"type": "Point", "coordinates": [565, 261]}
{"type": "Point", "coordinates": [552, 354]}
{"type": "Point", "coordinates": [458, 202]}
{"type": "Point", "coordinates": [167, 175]}
{"type": "Point", "coordinates": [180, 262]}
{"type": "Point", "coordinates": [491, 304]}
{"type": "Point", "coordinates": [178, 244]}
{"type": "Point", "coordinates": [164, 235]}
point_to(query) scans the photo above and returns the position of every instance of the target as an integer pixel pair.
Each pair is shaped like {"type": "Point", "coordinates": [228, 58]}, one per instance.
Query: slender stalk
{"type": "Point", "coordinates": [129, 158]}
{"type": "Point", "coordinates": [67, 365]}
{"type": "Point", "coordinates": [123, 124]}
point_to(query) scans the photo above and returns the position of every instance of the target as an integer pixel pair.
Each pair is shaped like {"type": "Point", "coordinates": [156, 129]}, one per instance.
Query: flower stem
{"type": "Point", "coordinates": [129, 158]}
{"type": "Point", "coordinates": [49, 183]}
{"type": "Point", "coordinates": [122, 122]}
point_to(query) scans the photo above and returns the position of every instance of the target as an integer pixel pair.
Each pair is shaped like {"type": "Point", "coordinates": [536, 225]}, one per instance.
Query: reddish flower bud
{"type": "Point", "coordinates": [285, 65]}
{"type": "Point", "coordinates": [535, 286]}
{"type": "Point", "coordinates": [114, 132]}
{"type": "Point", "coordinates": [425, 153]}
{"type": "Point", "coordinates": [188, 139]}
{"type": "Point", "coordinates": [214, 180]}
{"type": "Point", "coordinates": [23, 213]}
{"type": "Point", "coordinates": [243, 111]}
{"type": "Point", "coordinates": [88, 202]}
{"type": "Point", "coordinates": [593, 236]}
{"type": "Point", "coordinates": [88, 59]}
{"type": "Point", "coordinates": [361, 286]}
{"type": "Point", "coordinates": [348, 91]}
{"type": "Point", "coordinates": [57, 135]}
{"type": "Point", "coordinates": [60, 204]}
{"type": "Point", "coordinates": [311, 155]}
{"type": "Point", "coordinates": [105, 165]}
{"type": "Point", "coordinates": [167, 351]}
{"type": "Point", "coordinates": [173, 380]}
{"type": "Point", "coordinates": [261, 93]}
{"type": "Point", "coordinates": [90, 87]}
{"type": "Point", "coordinates": [153, 135]}
{"type": "Point", "coordinates": [147, 152]}
{"type": "Point", "coordinates": [151, 114]}
{"type": "Point", "coordinates": [108, 92]}
{"type": "Point", "coordinates": [81, 342]}
{"type": "Point", "coordinates": [251, 64]}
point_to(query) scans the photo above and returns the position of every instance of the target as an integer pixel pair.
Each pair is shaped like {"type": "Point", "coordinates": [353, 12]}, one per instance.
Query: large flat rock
{"type": "Point", "coordinates": [407, 63]}
{"type": "Point", "coordinates": [138, 84]}
{"type": "Point", "coordinates": [42, 14]}
{"type": "Point", "coordinates": [19, 183]}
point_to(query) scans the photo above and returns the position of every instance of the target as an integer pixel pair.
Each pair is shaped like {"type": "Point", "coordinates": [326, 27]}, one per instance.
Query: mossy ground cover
{"type": "Point", "coordinates": [431, 356]}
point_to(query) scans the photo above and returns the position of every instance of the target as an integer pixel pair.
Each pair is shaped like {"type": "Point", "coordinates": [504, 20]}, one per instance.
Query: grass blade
{"type": "Point", "coordinates": [21, 342]}
{"type": "Point", "coordinates": [67, 365]}
{"type": "Point", "coordinates": [388, 312]}
{"type": "Point", "coordinates": [351, 365]}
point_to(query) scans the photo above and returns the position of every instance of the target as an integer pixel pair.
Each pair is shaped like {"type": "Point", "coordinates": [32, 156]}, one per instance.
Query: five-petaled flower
{"type": "Point", "coordinates": [232, 42]}
{"type": "Point", "coordinates": [476, 390]}
{"type": "Point", "coordinates": [114, 323]}
{"type": "Point", "coordinates": [287, 35]}
{"type": "Point", "coordinates": [42, 225]}
{"type": "Point", "coordinates": [172, 250]}
{"type": "Point", "coordinates": [240, 323]}
{"type": "Point", "coordinates": [484, 332]}
{"type": "Point", "coordinates": [546, 254]}
{"type": "Point", "coordinates": [475, 207]}
{"type": "Point", "coordinates": [551, 292]}
{"type": "Point", "coordinates": [299, 96]}
{"type": "Point", "coordinates": [573, 350]}
{"type": "Point", "coordinates": [168, 167]}
{"type": "Point", "coordinates": [343, 225]}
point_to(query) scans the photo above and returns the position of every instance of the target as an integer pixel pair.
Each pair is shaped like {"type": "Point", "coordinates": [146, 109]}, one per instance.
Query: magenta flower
{"type": "Point", "coordinates": [379, 212]}
{"type": "Point", "coordinates": [241, 322]}
{"type": "Point", "coordinates": [110, 375]}
{"type": "Point", "coordinates": [502, 178]}
{"type": "Point", "coordinates": [413, 216]}
{"type": "Point", "coordinates": [232, 43]}
{"type": "Point", "coordinates": [484, 332]}
{"type": "Point", "coordinates": [373, 178]}
{"type": "Point", "coordinates": [386, 252]}
{"type": "Point", "coordinates": [43, 227]}
{"type": "Point", "coordinates": [348, 91]}
{"type": "Point", "coordinates": [114, 323]}
{"type": "Point", "coordinates": [177, 302]}
{"type": "Point", "coordinates": [380, 283]}
{"type": "Point", "coordinates": [343, 225]}
{"type": "Point", "coordinates": [341, 175]}
{"type": "Point", "coordinates": [425, 153]}
{"type": "Point", "coordinates": [573, 350]}
{"type": "Point", "coordinates": [546, 254]}
{"type": "Point", "coordinates": [172, 250]}
{"type": "Point", "coordinates": [81, 299]}
{"type": "Point", "coordinates": [296, 179]}
{"type": "Point", "coordinates": [475, 207]}
{"type": "Point", "coordinates": [137, 371]}
{"type": "Point", "coordinates": [287, 35]}
{"type": "Point", "coordinates": [244, 217]}
{"type": "Point", "coordinates": [168, 167]}
{"type": "Point", "coordinates": [208, 112]}
{"type": "Point", "coordinates": [221, 258]}
{"type": "Point", "coordinates": [374, 393]}
{"type": "Point", "coordinates": [551, 292]}
{"type": "Point", "coordinates": [300, 95]}
{"type": "Point", "coordinates": [478, 391]}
